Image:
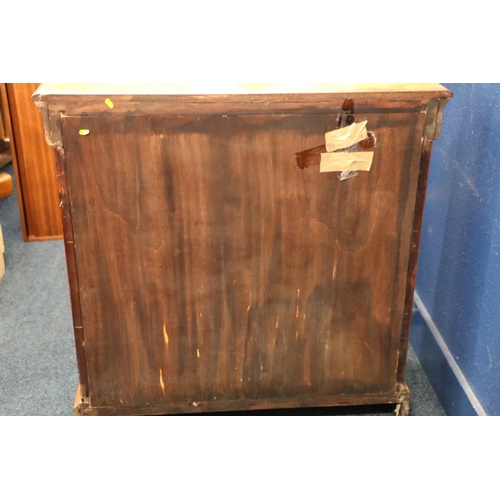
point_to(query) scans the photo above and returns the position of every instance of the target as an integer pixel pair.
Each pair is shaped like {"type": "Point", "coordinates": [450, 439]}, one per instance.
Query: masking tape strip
{"type": "Point", "coordinates": [340, 162]}
{"type": "Point", "coordinates": [346, 136]}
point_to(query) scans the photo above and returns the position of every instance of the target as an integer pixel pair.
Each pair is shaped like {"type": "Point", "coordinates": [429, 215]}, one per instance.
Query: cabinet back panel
{"type": "Point", "coordinates": [211, 267]}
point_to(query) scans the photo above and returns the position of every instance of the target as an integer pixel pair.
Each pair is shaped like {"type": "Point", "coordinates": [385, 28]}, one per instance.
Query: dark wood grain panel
{"type": "Point", "coordinates": [212, 268]}
{"type": "Point", "coordinates": [34, 163]}
{"type": "Point", "coordinates": [69, 248]}
{"type": "Point", "coordinates": [204, 106]}
{"type": "Point", "coordinates": [425, 161]}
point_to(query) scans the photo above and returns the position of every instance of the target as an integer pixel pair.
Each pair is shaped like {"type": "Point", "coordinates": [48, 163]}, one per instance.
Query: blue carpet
{"type": "Point", "coordinates": [38, 374]}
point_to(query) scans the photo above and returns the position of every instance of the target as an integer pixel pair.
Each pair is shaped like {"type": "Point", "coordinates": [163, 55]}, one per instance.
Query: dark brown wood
{"type": "Point", "coordinates": [71, 264]}
{"type": "Point", "coordinates": [33, 164]}
{"type": "Point", "coordinates": [425, 161]}
{"type": "Point", "coordinates": [208, 269]}
{"type": "Point", "coordinates": [239, 255]}
{"type": "Point", "coordinates": [396, 399]}
{"type": "Point", "coordinates": [177, 99]}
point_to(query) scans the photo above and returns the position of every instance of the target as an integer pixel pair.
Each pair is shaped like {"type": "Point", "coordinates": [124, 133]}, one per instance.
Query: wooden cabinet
{"type": "Point", "coordinates": [33, 163]}
{"type": "Point", "coordinates": [214, 265]}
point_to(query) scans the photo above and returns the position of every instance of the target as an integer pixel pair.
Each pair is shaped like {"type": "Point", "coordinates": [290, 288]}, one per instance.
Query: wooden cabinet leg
{"type": "Point", "coordinates": [403, 405]}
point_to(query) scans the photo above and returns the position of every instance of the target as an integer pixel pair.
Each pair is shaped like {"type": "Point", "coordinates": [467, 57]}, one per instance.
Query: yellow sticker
{"type": "Point", "coordinates": [109, 103]}
{"type": "Point", "coordinates": [84, 131]}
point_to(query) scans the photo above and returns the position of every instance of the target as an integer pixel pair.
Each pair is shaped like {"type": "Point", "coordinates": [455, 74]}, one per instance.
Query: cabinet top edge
{"type": "Point", "coordinates": [58, 91]}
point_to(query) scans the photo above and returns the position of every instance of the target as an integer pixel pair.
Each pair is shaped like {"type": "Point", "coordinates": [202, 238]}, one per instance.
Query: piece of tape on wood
{"type": "Point", "coordinates": [340, 162]}
{"type": "Point", "coordinates": [345, 137]}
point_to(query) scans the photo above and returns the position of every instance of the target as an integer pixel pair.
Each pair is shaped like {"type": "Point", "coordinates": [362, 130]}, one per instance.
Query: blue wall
{"type": "Point", "coordinates": [458, 281]}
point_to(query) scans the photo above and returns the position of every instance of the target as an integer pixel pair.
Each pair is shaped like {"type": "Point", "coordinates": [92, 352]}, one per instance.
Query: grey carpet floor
{"type": "Point", "coordinates": [38, 374]}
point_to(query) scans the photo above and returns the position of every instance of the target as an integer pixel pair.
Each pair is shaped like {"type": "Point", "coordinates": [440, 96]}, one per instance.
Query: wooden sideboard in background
{"type": "Point", "coordinates": [33, 161]}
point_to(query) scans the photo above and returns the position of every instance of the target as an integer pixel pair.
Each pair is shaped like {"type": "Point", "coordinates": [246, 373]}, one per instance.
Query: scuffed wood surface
{"type": "Point", "coordinates": [71, 264]}
{"type": "Point", "coordinates": [176, 99]}
{"type": "Point", "coordinates": [404, 396]}
{"type": "Point", "coordinates": [192, 407]}
{"type": "Point", "coordinates": [212, 268]}
{"type": "Point", "coordinates": [238, 89]}
{"type": "Point", "coordinates": [425, 161]}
